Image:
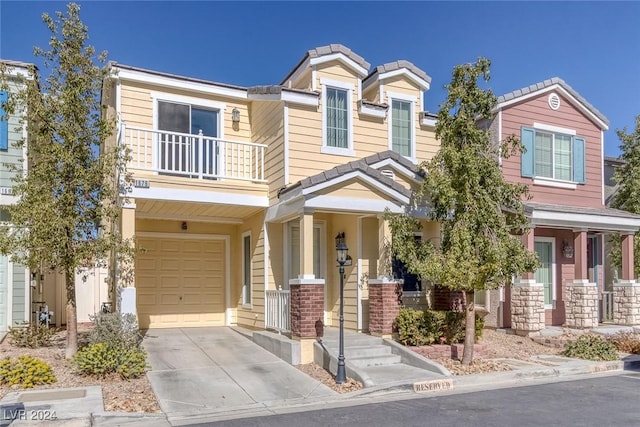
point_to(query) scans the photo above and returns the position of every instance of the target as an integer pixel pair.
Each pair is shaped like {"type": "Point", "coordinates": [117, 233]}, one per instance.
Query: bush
{"type": "Point", "coordinates": [429, 326]}
{"type": "Point", "coordinates": [590, 347]}
{"type": "Point", "coordinates": [116, 330]}
{"type": "Point", "coordinates": [626, 342]}
{"type": "Point", "coordinates": [32, 335]}
{"type": "Point", "coordinates": [101, 359]}
{"type": "Point", "coordinates": [25, 371]}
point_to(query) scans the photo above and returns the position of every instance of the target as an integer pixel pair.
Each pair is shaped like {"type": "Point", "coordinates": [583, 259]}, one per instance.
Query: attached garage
{"type": "Point", "coordinates": [182, 281]}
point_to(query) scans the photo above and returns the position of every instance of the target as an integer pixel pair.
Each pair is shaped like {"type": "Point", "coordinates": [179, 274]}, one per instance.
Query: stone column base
{"type": "Point", "coordinates": [385, 299]}
{"type": "Point", "coordinates": [581, 304]}
{"type": "Point", "coordinates": [527, 307]}
{"type": "Point", "coordinates": [626, 302]}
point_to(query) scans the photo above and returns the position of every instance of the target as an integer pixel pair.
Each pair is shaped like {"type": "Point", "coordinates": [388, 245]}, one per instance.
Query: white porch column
{"type": "Point", "coordinates": [384, 248]}
{"type": "Point", "coordinates": [306, 245]}
{"type": "Point", "coordinates": [126, 291]}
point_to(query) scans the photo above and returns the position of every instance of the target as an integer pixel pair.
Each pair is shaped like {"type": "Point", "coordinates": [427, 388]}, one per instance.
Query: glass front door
{"type": "Point", "coordinates": [544, 274]}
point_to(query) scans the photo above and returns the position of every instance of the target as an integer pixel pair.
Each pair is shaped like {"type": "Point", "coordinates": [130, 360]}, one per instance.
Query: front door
{"type": "Point", "coordinates": [544, 274]}
{"type": "Point", "coordinates": [592, 259]}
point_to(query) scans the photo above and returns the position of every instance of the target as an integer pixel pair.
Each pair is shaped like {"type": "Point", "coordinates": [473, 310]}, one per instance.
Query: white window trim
{"type": "Point", "coordinates": [245, 303]}
{"type": "Point", "coordinates": [554, 280]}
{"type": "Point", "coordinates": [349, 87]}
{"type": "Point", "coordinates": [487, 300]}
{"type": "Point", "coordinates": [322, 226]}
{"type": "Point", "coordinates": [412, 103]}
{"type": "Point", "coordinates": [550, 181]}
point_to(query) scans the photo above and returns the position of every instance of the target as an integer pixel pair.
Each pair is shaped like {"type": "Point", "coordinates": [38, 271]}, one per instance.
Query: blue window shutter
{"type": "Point", "coordinates": [527, 160]}
{"type": "Point", "coordinates": [578, 160]}
{"type": "Point", "coordinates": [4, 123]}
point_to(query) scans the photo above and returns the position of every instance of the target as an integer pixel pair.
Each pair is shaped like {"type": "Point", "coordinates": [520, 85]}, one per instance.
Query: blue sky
{"type": "Point", "coordinates": [593, 46]}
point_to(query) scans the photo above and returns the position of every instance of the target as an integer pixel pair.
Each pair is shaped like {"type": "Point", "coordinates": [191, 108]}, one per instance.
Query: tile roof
{"type": "Point", "coordinates": [363, 165]}
{"type": "Point", "coordinates": [276, 90]}
{"type": "Point", "coordinates": [329, 50]}
{"type": "Point", "coordinates": [397, 65]}
{"type": "Point", "coordinates": [13, 63]}
{"type": "Point", "coordinates": [529, 207]}
{"type": "Point", "coordinates": [548, 83]}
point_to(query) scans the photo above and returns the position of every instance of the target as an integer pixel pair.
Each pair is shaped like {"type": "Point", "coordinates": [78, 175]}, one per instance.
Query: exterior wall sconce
{"type": "Point", "coordinates": [567, 250]}
{"type": "Point", "coordinates": [184, 225]}
{"type": "Point", "coordinates": [235, 115]}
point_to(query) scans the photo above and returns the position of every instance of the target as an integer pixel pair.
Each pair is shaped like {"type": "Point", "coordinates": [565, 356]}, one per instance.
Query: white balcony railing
{"type": "Point", "coordinates": [277, 310]}
{"type": "Point", "coordinates": [193, 155]}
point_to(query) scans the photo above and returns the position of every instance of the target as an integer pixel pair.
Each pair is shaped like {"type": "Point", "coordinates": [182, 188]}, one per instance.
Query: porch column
{"type": "Point", "coordinates": [385, 299]}
{"type": "Point", "coordinates": [626, 292]}
{"type": "Point", "coordinates": [307, 295]}
{"type": "Point", "coordinates": [525, 311]}
{"type": "Point", "coordinates": [306, 245]}
{"type": "Point", "coordinates": [384, 248]}
{"type": "Point", "coordinates": [125, 272]}
{"type": "Point", "coordinates": [580, 296]}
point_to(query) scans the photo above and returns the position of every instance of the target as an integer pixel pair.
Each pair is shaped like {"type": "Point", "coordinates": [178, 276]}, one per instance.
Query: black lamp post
{"type": "Point", "coordinates": [341, 250]}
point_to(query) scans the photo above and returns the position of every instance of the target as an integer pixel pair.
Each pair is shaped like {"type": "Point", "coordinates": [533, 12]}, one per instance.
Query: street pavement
{"type": "Point", "coordinates": [603, 401]}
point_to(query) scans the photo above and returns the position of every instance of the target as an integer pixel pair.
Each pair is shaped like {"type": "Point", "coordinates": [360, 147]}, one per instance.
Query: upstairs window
{"type": "Point", "coordinates": [337, 117]}
{"type": "Point", "coordinates": [401, 136]}
{"type": "Point", "coordinates": [553, 155]}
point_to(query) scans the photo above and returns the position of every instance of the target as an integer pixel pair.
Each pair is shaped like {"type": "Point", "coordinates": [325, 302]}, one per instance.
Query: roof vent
{"type": "Point", "coordinates": [554, 101]}
{"type": "Point", "coordinates": [388, 173]}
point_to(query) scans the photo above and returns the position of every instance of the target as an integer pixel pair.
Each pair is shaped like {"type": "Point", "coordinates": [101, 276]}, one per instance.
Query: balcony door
{"type": "Point", "coordinates": [180, 149]}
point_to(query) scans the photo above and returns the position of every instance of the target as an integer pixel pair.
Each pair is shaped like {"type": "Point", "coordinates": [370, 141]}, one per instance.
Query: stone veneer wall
{"type": "Point", "coordinates": [626, 302]}
{"type": "Point", "coordinates": [385, 299]}
{"type": "Point", "coordinates": [527, 307]}
{"type": "Point", "coordinates": [581, 305]}
{"type": "Point", "coordinates": [307, 310]}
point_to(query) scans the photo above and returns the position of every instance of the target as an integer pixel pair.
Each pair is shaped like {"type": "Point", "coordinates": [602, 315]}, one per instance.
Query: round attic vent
{"type": "Point", "coordinates": [554, 101]}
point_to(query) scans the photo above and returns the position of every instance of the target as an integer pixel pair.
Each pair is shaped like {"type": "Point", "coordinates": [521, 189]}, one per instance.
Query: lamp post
{"type": "Point", "coordinates": [341, 250]}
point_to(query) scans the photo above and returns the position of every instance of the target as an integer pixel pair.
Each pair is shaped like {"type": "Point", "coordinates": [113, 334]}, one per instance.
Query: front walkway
{"type": "Point", "coordinates": [200, 371]}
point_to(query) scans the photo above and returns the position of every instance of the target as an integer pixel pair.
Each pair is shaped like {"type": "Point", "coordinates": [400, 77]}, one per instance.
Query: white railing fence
{"type": "Point", "coordinates": [607, 306]}
{"type": "Point", "coordinates": [194, 155]}
{"type": "Point", "coordinates": [277, 310]}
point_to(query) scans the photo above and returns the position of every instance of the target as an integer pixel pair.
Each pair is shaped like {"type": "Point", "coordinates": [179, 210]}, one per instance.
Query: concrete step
{"type": "Point", "coordinates": [366, 351]}
{"type": "Point", "coordinates": [365, 362]}
{"type": "Point", "coordinates": [352, 340]}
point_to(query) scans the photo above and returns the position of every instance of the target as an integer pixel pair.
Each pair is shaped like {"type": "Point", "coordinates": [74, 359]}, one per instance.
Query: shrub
{"type": "Point", "coordinates": [626, 342]}
{"type": "Point", "coordinates": [25, 371]}
{"type": "Point", "coordinates": [428, 327]}
{"type": "Point", "coordinates": [590, 347]}
{"type": "Point", "coordinates": [32, 336]}
{"type": "Point", "coordinates": [116, 330]}
{"type": "Point", "coordinates": [101, 359]}
{"type": "Point", "coordinates": [410, 327]}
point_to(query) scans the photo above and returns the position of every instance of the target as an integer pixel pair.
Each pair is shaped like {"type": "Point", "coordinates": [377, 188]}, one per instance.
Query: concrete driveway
{"type": "Point", "coordinates": [200, 371]}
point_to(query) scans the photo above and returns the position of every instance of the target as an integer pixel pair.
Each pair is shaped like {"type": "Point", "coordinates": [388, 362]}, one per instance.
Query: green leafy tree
{"type": "Point", "coordinates": [481, 214]}
{"type": "Point", "coordinates": [627, 197]}
{"type": "Point", "coordinates": [68, 200]}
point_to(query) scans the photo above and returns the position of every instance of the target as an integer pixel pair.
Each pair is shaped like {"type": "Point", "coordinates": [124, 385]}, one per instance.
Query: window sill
{"type": "Point", "coordinates": [336, 151]}
{"type": "Point", "coordinates": [247, 306]}
{"type": "Point", "coordinates": [413, 294]}
{"type": "Point", "coordinates": [547, 182]}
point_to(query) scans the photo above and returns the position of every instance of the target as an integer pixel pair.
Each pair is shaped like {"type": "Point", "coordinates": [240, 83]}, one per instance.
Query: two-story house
{"type": "Point", "coordinates": [238, 193]}
{"type": "Point", "coordinates": [15, 304]}
{"type": "Point", "coordinates": [563, 167]}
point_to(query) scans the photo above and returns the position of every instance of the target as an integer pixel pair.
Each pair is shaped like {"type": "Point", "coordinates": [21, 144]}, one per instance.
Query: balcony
{"type": "Point", "coordinates": [192, 156]}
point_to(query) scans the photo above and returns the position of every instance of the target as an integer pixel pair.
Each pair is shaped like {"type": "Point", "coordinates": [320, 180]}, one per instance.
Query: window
{"type": "Point", "coordinates": [553, 155]}
{"type": "Point", "coordinates": [246, 269]}
{"type": "Point", "coordinates": [401, 135]}
{"type": "Point", "coordinates": [337, 118]}
{"type": "Point", "coordinates": [181, 150]}
{"type": "Point", "coordinates": [411, 282]}
{"type": "Point", "coordinates": [293, 253]}
{"type": "Point", "coordinates": [337, 126]}
{"type": "Point", "coordinates": [4, 122]}
{"type": "Point", "coordinates": [480, 299]}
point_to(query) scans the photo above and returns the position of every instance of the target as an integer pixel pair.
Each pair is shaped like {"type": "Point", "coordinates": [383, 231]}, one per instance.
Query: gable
{"type": "Point", "coordinates": [355, 188]}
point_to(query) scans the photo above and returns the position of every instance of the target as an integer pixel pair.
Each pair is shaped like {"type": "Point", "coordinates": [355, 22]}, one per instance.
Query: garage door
{"type": "Point", "coordinates": [180, 282]}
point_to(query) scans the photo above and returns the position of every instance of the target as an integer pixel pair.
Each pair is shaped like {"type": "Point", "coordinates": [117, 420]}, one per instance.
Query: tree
{"type": "Point", "coordinates": [68, 199]}
{"type": "Point", "coordinates": [480, 213]}
{"type": "Point", "coordinates": [627, 196]}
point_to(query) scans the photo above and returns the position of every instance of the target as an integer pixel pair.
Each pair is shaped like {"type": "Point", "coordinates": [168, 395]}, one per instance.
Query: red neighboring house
{"type": "Point", "coordinates": [563, 167]}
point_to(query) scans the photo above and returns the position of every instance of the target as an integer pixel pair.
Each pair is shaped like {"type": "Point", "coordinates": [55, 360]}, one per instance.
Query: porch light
{"type": "Point", "coordinates": [341, 251]}
{"type": "Point", "coordinates": [567, 249]}
{"type": "Point", "coordinates": [235, 115]}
